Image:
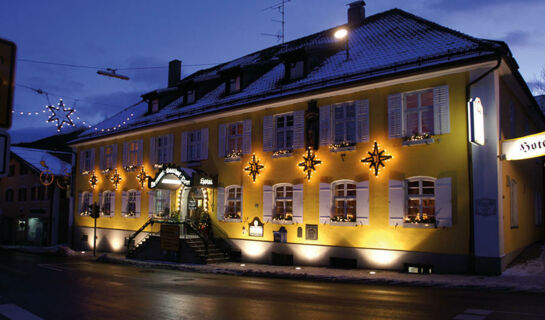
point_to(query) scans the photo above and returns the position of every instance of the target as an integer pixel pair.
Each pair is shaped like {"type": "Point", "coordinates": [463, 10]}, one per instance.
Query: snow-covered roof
{"type": "Point", "coordinates": [51, 159]}
{"type": "Point", "coordinates": [384, 44]}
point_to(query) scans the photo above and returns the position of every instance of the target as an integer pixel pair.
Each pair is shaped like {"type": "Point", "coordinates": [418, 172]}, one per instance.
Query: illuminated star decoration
{"type": "Point", "coordinates": [254, 168]}
{"type": "Point", "coordinates": [309, 163]}
{"type": "Point", "coordinates": [61, 115]}
{"type": "Point", "coordinates": [115, 178]}
{"type": "Point", "coordinates": [93, 180]}
{"type": "Point", "coordinates": [141, 177]}
{"type": "Point", "coordinates": [376, 159]}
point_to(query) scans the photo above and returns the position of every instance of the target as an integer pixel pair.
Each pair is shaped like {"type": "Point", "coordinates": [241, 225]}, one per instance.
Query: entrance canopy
{"type": "Point", "coordinates": [172, 177]}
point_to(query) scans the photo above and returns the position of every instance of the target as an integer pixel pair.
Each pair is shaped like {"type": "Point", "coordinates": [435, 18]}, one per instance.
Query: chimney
{"type": "Point", "coordinates": [356, 12]}
{"type": "Point", "coordinates": [174, 72]}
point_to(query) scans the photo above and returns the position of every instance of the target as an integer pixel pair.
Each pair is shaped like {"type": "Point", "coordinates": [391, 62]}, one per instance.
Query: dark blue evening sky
{"type": "Point", "coordinates": [125, 34]}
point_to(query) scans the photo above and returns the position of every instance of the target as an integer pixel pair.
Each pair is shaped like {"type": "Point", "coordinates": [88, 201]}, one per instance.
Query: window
{"type": "Point", "coordinates": [194, 145]}
{"type": "Point", "coordinates": [284, 132]}
{"type": "Point", "coordinates": [297, 70]}
{"type": "Point", "coordinates": [131, 203]}
{"type": "Point", "coordinates": [233, 208]}
{"type": "Point", "coordinates": [132, 154]}
{"type": "Point", "coordinates": [345, 123]}
{"type": "Point", "coordinates": [107, 203]}
{"type": "Point", "coordinates": [41, 193]}
{"type": "Point", "coordinates": [109, 157]}
{"type": "Point", "coordinates": [513, 209]}
{"type": "Point", "coordinates": [9, 195]}
{"type": "Point", "coordinates": [155, 105]}
{"type": "Point", "coordinates": [87, 160]}
{"type": "Point", "coordinates": [235, 132]}
{"type": "Point", "coordinates": [86, 201]}
{"type": "Point", "coordinates": [23, 169]}
{"type": "Point", "coordinates": [420, 201]}
{"type": "Point", "coordinates": [11, 171]}
{"type": "Point", "coordinates": [162, 203]}
{"type": "Point", "coordinates": [234, 84]}
{"type": "Point", "coordinates": [33, 193]}
{"type": "Point", "coordinates": [283, 202]}
{"type": "Point", "coordinates": [419, 118]}
{"type": "Point", "coordinates": [161, 149]}
{"type": "Point", "coordinates": [22, 194]}
{"type": "Point", "coordinates": [190, 97]}
{"type": "Point", "coordinates": [344, 200]}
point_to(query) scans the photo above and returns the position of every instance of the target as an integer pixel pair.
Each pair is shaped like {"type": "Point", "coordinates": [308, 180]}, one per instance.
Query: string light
{"type": "Point", "coordinates": [309, 163]}
{"type": "Point", "coordinates": [254, 168]}
{"type": "Point", "coordinates": [116, 178]}
{"type": "Point", "coordinates": [142, 177]}
{"type": "Point", "coordinates": [93, 180]}
{"type": "Point", "coordinates": [376, 159]}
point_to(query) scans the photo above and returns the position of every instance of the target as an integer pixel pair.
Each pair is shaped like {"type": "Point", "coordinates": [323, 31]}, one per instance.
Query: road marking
{"type": "Point", "coordinates": [14, 312]}
{"type": "Point", "coordinates": [480, 312]}
{"type": "Point", "coordinates": [50, 267]}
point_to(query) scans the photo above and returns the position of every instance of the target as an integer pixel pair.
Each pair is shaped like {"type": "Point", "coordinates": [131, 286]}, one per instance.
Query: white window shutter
{"type": "Point", "coordinates": [184, 147]}
{"type": "Point", "coordinates": [268, 133]}
{"type": "Point", "coordinates": [220, 208]}
{"type": "Point", "coordinates": [267, 203]}
{"type": "Point", "coordinates": [221, 139]}
{"type": "Point", "coordinates": [101, 159]}
{"type": "Point", "coordinates": [170, 147]}
{"type": "Point", "coordinates": [441, 112]}
{"type": "Point", "coordinates": [112, 204]}
{"type": "Point", "coordinates": [114, 156]}
{"type": "Point", "coordinates": [151, 203]}
{"type": "Point", "coordinates": [395, 116]}
{"type": "Point", "coordinates": [125, 153]}
{"type": "Point", "coordinates": [443, 202]}
{"type": "Point", "coordinates": [152, 153]}
{"type": "Point", "coordinates": [247, 136]}
{"type": "Point", "coordinates": [81, 161]}
{"type": "Point", "coordinates": [140, 151]}
{"type": "Point", "coordinates": [362, 202]}
{"type": "Point", "coordinates": [100, 204]}
{"type": "Point", "coordinates": [91, 201]}
{"type": "Point", "coordinates": [325, 203]}
{"type": "Point", "coordinates": [241, 202]}
{"type": "Point", "coordinates": [362, 111]}
{"type": "Point", "coordinates": [299, 129]}
{"type": "Point", "coordinates": [204, 143]}
{"type": "Point", "coordinates": [124, 203]}
{"type": "Point", "coordinates": [298, 203]}
{"type": "Point", "coordinates": [92, 160]}
{"type": "Point", "coordinates": [80, 202]}
{"type": "Point", "coordinates": [138, 198]}
{"type": "Point", "coordinates": [325, 124]}
{"type": "Point", "coordinates": [396, 202]}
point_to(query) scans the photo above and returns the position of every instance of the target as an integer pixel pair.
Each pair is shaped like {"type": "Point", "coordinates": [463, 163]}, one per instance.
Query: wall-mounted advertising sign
{"type": "Point", "coordinates": [170, 177]}
{"type": "Point", "coordinates": [527, 147]}
{"type": "Point", "coordinates": [476, 121]}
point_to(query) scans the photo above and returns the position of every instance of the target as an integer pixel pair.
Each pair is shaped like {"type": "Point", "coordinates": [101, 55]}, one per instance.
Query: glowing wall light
{"type": "Point", "coordinates": [383, 257]}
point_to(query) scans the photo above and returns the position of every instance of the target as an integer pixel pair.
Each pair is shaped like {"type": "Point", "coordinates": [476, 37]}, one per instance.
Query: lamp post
{"type": "Point", "coordinates": [95, 213]}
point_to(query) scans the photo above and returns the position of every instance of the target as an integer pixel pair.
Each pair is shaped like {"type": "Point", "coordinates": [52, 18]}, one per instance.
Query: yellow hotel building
{"type": "Point", "coordinates": [278, 148]}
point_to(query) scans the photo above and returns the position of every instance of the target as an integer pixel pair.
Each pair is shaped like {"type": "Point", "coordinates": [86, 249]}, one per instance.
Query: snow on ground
{"type": "Point", "coordinates": [60, 250]}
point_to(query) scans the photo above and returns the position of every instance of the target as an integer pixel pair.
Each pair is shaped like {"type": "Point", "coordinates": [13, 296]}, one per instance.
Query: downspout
{"type": "Point", "coordinates": [471, 266]}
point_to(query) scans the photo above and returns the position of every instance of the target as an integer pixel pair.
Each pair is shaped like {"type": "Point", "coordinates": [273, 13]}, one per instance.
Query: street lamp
{"type": "Point", "coordinates": [340, 34]}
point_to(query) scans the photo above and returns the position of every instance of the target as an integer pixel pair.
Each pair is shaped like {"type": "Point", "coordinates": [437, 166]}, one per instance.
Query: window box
{"type": "Point", "coordinates": [129, 215]}
{"type": "Point", "coordinates": [418, 140]}
{"type": "Point", "coordinates": [344, 223]}
{"type": "Point", "coordinates": [130, 168]}
{"type": "Point", "coordinates": [85, 172]}
{"type": "Point", "coordinates": [233, 156]}
{"type": "Point", "coordinates": [105, 171]}
{"type": "Point", "coordinates": [284, 153]}
{"type": "Point", "coordinates": [419, 225]}
{"type": "Point", "coordinates": [342, 146]}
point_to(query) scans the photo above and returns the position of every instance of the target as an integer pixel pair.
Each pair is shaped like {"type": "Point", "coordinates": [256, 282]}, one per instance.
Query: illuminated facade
{"type": "Point", "coordinates": [302, 154]}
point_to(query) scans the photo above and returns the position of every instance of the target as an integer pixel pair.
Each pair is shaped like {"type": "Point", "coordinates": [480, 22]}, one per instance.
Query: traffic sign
{"type": "Point", "coordinates": [7, 81]}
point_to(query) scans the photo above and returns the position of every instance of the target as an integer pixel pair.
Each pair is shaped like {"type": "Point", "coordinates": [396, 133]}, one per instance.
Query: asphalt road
{"type": "Point", "coordinates": [50, 287]}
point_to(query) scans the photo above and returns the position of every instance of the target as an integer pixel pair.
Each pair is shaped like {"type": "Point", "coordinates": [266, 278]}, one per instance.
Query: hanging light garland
{"type": "Point", "coordinates": [309, 163]}
{"type": "Point", "coordinates": [115, 178]}
{"type": "Point", "coordinates": [376, 159]}
{"type": "Point", "coordinates": [254, 168]}
{"type": "Point", "coordinates": [60, 115]}
{"type": "Point", "coordinates": [93, 180]}
{"type": "Point", "coordinates": [141, 177]}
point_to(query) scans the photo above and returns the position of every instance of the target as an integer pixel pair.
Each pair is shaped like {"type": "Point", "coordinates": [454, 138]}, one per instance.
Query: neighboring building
{"type": "Point", "coordinates": [32, 212]}
{"type": "Point", "coordinates": [402, 81]}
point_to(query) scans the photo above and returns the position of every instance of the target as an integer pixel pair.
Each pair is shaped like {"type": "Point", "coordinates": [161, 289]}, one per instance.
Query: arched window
{"type": "Point", "coordinates": [420, 200]}
{"type": "Point", "coordinates": [283, 202]}
{"type": "Point", "coordinates": [344, 201]}
{"type": "Point", "coordinates": [233, 202]}
{"type": "Point", "coordinates": [85, 203]}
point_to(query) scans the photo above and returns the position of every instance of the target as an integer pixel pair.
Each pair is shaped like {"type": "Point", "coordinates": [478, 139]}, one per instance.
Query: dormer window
{"type": "Point", "coordinates": [190, 97]}
{"type": "Point", "coordinates": [154, 105]}
{"type": "Point", "coordinates": [296, 70]}
{"type": "Point", "coordinates": [234, 84]}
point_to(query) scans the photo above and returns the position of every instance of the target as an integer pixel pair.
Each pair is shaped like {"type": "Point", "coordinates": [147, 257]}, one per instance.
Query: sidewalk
{"type": "Point", "coordinates": [526, 274]}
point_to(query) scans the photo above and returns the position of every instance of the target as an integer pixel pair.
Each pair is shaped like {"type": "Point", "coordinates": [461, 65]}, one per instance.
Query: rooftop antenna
{"type": "Point", "coordinates": [112, 73]}
{"type": "Point", "coordinates": [281, 7]}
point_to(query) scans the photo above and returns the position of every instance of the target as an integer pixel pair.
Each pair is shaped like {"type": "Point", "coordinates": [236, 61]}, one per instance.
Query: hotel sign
{"type": "Point", "coordinates": [256, 228]}
{"type": "Point", "coordinates": [476, 118]}
{"type": "Point", "coordinates": [170, 171]}
{"type": "Point", "coordinates": [527, 147]}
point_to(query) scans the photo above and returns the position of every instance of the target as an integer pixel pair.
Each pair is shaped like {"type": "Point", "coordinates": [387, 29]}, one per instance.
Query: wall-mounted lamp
{"type": "Point", "coordinates": [342, 34]}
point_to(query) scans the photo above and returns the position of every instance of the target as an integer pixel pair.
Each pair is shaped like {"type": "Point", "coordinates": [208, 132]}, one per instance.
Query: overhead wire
{"type": "Point", "coordinates": [70, 65]}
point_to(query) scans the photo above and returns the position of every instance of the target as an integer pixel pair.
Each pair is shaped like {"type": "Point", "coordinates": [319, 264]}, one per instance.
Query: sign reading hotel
{"type": "Point", "coordinates": [476, 113]}
{"type": "Point", "coordinates": [527, 147]}
{"type": "Point", "coordinates": [163, 177]}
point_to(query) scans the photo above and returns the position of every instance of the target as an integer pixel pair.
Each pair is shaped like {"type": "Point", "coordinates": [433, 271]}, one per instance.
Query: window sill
{"type": "Point", "coordinates": [342, 149]}
{"type": "Point", "coordinates": [131, 168]}
{"type": "Point", "coordinates": [232, 220]}
{"type": "Point", "coordinates": [419, 225]}
{"type": "Point", "coordinates": [418, 142]}
{"type": "Point", "coordinates": [130, 216]}
{"type": "Point", "coordinates": [282, 155]}
{"type": "Point", "coordinates": [282, 221]}
{"type": "Point", "coordinates": [102, 215]}
{"type": "Point", "coordinates": [232, 159]}
{"type": "Point", "coordinates": [343, 223]}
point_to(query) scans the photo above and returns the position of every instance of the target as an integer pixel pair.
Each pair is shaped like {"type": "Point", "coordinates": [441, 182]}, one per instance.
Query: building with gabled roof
{"type": "Point", "coordinates": [283, 147]}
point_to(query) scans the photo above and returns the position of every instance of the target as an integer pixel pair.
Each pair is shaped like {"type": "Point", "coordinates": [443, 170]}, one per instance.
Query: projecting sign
{"type": "Point", "coordinates": [7, 81]}
{"type": "Point", "coordinates": [527, 147]}
{"type": "Point", "coordinates": [476, 125]}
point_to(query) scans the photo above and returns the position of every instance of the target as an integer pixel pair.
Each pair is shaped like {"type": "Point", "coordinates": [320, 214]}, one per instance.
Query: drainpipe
{"type": "Point", "coordinates": [471, 266]}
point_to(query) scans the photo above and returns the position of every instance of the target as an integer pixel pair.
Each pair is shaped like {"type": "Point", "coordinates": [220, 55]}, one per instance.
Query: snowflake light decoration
{"type": "Point", "coordinates": [254, 168]}
{"type": "Point", "coordinates": [116, 178]}
{"type": "Point", "coordinates": [93, 180]}
{"type": "Point", "coordinates": [309, 163]}
{"type": "Point", "coordinates": [376, 159]}
{"type": "Point", "coordinates": [61, 115]}
{"type": "Point", "coordinates": [142, 177]}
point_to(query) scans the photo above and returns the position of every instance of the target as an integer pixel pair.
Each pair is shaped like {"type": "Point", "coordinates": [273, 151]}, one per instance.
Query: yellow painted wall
{"type": "Point", "coordinates": [527, 173]}
{"type": "Point", "coordinates": [447, 157]}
